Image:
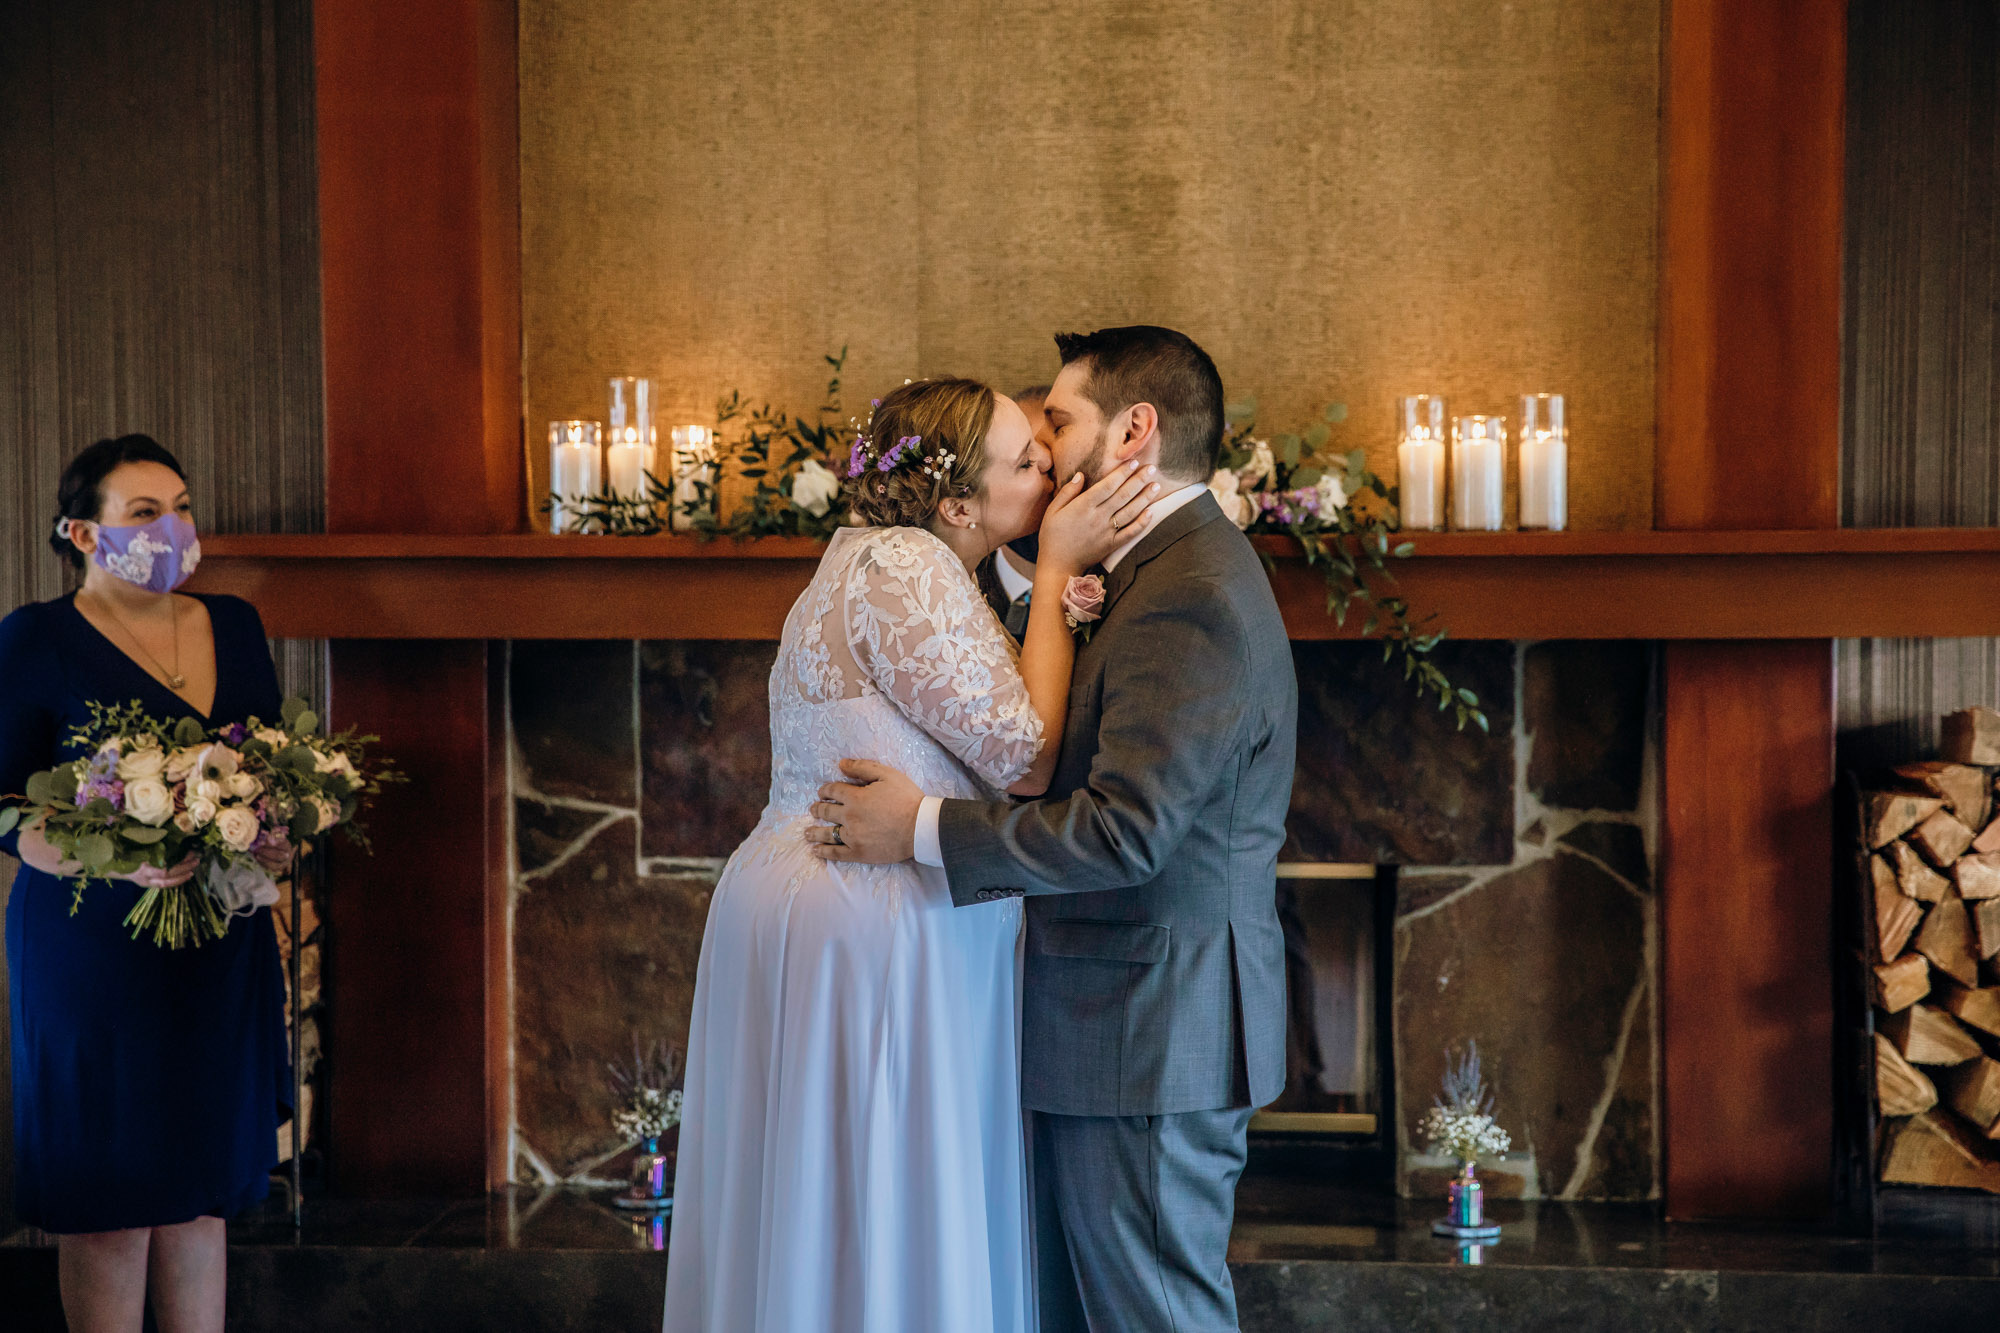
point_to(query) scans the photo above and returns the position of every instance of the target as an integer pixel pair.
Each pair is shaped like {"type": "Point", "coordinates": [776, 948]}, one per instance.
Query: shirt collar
{"type": "Point", "coordinates": [1012, 581]}
{"type": "Point", "coordinates": [1156, 511]}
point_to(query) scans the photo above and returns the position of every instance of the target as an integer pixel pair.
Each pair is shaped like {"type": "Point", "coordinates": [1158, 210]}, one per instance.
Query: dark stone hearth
{"type": "Point", "coordinates": [1584, 703]}
{"type": "Point", "coordinates": [1384, 778]}
{"type": "Point", "coordinates": [1621, 847]}
{"type": "Point", "coordinates": [706, 735]}
{"type": "Point", "coordinates": [601, 954]}
{"type": "Point", "coordinates": [1558, 943]}
{"type": "Point", "coordinates": [572, 704]}
{"type": "Point", "coordinates": [542, 831]}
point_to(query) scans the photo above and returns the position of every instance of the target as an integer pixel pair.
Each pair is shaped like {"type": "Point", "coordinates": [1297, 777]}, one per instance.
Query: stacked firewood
{"type": "Point", "coordinates": [1934, 881]}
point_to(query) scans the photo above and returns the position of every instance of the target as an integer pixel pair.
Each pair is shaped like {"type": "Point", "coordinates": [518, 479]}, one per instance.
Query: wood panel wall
{"type": "Point", "coordinates": [420, 268]}
{"type": "Point", "coordinates": [1749, 412]}
{"type": "Point", "coordinates": [159, 272]}
{"type": "Point", "coordinates": [1922, 351]}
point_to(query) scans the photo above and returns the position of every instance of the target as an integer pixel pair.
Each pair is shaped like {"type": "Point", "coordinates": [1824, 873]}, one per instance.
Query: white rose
{"type": "Point", "coordinates": [326, 761]}
{"type": "Point", "coordinates": [272, 737]}
{"type": "Point", "coordinates": [1332, 495]}
{"type": "Point", "coordinates": [148, 762]}
{"type": "Point", "coordinates": [217, 762]}
{"type": "Point", "coordinates": [181, 763]}
{"type": "Point", "coordinates": [244, 787]}
{"type": "Point", "coordinates": [148, 800]}
{"type": "Point", "coordinates": [238, 826]}
{"type": "Point", "coordinates": [207, 790]}
{"type": "Point", "coordinates": [184, 821]}
{"type": "Point", "coordinates": [345, 766]}
{"type": "Point", "coordinates": [200, 811]}
{"type": "Point", "coordinates": [329, 813]}
{"type": "Point", "coordinates": [814, 489]}
{"type": "Point", "coordinates": [1224, 486]}
{"type": "Point", "coordinates": [1261, 465]}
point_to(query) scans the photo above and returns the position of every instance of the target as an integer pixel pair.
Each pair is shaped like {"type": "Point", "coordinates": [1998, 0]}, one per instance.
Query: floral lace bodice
{"type": "Point", "coordinates": [891, 654]}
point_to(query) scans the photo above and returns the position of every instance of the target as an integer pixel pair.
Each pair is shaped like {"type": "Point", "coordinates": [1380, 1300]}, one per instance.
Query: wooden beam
{"type": "Point", "coordinates": [1751, 218]}
{"type": "Point", "coordinates": [1557, 586]}
{"type": "Point", "coordinates": [1746, 872]}
{"type": "Point", "coordinates": [420, 265]}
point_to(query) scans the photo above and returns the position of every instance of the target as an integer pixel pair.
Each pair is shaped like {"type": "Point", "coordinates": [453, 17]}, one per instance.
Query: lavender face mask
{"type": "Point", "coordinates": [159, 556]}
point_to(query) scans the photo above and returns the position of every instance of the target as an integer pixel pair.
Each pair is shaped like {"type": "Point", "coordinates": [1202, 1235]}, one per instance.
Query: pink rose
{"type": "Point", "coordinates": [1083, 600]}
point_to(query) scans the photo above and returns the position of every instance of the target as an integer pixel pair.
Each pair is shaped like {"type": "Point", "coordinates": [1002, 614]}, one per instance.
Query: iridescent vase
{"type": "Point", "coordinates": [1466, 1217]}
{"type": "Point", "coordinates": [652, 1180]}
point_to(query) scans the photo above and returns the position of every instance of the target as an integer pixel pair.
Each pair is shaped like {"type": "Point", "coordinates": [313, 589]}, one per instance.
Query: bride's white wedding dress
{"type": "Point", "coordinates": [851, 1155]}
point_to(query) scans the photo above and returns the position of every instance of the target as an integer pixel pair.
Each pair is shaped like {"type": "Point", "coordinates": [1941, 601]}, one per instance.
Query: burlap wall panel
{"type": "Point", "coordinates": [1342, 201]}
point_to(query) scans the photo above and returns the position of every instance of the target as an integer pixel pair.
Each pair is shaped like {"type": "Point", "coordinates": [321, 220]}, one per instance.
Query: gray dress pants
{"type": "Point", "coordinates": [1132, 1218]}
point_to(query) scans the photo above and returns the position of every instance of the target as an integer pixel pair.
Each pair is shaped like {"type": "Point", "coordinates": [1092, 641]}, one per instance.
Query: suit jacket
{"type": "Point", "coordinates": [1155, 976]}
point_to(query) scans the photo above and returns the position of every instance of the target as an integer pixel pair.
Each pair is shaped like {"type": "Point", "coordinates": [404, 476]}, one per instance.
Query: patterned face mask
{"type": "Point", "coordinates": [159, 556]}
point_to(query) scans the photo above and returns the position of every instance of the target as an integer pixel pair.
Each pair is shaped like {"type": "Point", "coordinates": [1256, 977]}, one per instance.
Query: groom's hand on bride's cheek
{"type": "Point", "coordinates": [872, 818]}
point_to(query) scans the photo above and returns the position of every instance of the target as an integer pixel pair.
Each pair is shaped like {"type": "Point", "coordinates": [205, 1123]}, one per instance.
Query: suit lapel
{"type": "Point", "coordinates": [1197, 513]}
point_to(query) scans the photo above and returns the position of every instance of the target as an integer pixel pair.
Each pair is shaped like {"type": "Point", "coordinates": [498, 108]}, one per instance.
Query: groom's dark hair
{"type": "Point", "coordinates": [1144, 363]}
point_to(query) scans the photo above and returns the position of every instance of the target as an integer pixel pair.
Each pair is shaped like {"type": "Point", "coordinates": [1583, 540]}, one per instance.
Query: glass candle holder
{"type": "Point", "coordinates": [696, 473]}
{"type": "Point", "coordinates": [629, 444]}
{"type": "Point", "coordinates": [1420, 471]}
{"type": "Point", "coordinates": [1544, 462]}
{"type": "Point", "coordinates": [576, 471]}
{"type": "Point", "coordinates": [1478, 473]}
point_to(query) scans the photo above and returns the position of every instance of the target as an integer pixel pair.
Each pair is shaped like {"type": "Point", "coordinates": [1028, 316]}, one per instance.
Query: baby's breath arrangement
{"type": "Point", "coordinates": [648, 1102]}
{"type": "Point", "coordinates": [1460, 1122]}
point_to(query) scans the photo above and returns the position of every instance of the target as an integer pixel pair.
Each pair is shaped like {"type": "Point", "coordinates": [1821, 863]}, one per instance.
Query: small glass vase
{"type": "Point", "coordinates": [652, 1180]}
{"type": "Point", "coordinates": [1466, 1217]}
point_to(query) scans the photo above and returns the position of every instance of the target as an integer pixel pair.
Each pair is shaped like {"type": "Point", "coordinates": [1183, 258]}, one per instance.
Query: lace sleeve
{"type": "Point", "coordinates": [921, 632]}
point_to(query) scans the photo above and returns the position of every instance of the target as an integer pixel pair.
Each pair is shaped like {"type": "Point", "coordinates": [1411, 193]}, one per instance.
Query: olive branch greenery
{"type": "Point", "coordinates": [1351, 543]}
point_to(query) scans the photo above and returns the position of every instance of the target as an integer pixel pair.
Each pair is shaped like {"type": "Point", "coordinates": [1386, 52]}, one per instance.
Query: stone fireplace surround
{"type": "Point", "coordinates": [1525, 909]}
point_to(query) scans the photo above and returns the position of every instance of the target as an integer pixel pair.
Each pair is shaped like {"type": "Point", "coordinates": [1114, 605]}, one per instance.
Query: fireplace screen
{"type": "Point", "coordinates": [1335, 967]}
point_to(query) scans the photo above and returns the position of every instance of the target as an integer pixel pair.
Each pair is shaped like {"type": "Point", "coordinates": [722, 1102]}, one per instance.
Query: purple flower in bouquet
{"type": "Point", "coordinates": [101, 788]}
{"type": "Point", "coordinates": [234, 733]}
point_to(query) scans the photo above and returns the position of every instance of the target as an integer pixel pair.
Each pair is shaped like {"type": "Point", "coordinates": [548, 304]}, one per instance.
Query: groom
{"type": "Point", "coordinates": [1154, 1009]}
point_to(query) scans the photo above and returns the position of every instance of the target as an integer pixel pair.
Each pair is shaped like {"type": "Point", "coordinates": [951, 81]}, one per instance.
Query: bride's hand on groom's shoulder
{"type": "Point", "coordinates": [871, 819]}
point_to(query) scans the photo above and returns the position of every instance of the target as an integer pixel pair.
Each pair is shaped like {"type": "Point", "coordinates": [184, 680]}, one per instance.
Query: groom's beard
{"type": "Point", "coordinates": [1099, 461]}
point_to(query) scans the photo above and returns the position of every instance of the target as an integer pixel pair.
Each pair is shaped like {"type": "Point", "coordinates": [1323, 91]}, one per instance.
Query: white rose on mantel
{"type": "Point", "coordinates": [238, 826]}
{"type": "Point", "coordinates": [1332, 495]}
{"type": "Point", "coordinates": [1261, 465]}
{"type": "Point", "coordinates": [814, 488]}
{"type": "Point", "coordinates": [1227, 490]}
{"type": "Point", "coordinates": [148, 800]}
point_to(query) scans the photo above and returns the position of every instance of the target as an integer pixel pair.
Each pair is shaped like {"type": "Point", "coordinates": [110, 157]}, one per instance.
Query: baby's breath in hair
{"type": "Point", "coordinates": [923, 443]}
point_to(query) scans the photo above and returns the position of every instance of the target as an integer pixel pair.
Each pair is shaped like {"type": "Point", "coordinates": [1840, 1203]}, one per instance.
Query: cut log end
{"type": "Point", "coordinates": [1970, 736]}
{"type": "Point", "coordinates": [1941, 838]}
{"type": "Point", "coordinates": [1892, 814]}
{"type": "Point", "coordinates": [1945, 937]}
{"type": "Point", "coordinates": [1926, 1035]}
{"type": "Point", "coordinates": [1900, 984]}
{"type": "Point", "coordinates": [1900, 1087]}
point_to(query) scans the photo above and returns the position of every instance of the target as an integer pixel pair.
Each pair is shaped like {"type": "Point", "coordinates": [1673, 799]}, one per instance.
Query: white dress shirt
{"type": "Point", "coordinates": [925, 843]}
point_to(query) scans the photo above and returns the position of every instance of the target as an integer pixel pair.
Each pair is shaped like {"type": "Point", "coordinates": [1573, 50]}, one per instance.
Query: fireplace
{"type": "Point", "coordinates": [1437, 886]}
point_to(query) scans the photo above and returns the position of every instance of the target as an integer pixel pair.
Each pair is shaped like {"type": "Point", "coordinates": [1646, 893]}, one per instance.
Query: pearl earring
{"type": "Point", "coordinates": [974, 523]}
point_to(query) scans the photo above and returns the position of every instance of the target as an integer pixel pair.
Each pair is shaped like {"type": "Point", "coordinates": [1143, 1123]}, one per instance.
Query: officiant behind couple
{"type": "Point", "coordinates": [910, 1104]}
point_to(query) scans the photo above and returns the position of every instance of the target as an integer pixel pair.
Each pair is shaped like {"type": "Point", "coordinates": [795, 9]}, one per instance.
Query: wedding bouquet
{"type": "Point", "coordinates": [236, 800]}
{"type": "Point", "coordinates": [1460, 1122]}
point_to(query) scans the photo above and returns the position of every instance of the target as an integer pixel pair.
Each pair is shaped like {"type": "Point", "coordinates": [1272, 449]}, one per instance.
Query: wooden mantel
{"type": "Point", "coordinates": [1579, 585]}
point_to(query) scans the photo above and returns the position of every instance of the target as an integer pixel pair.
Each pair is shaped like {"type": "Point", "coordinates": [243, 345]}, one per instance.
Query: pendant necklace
{"type": "Point", "coordinates": [175, 680]}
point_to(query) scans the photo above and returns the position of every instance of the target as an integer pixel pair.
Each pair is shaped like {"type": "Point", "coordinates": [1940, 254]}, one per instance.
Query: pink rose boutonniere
{"type": "Point", "coordinates": [1083, 603]}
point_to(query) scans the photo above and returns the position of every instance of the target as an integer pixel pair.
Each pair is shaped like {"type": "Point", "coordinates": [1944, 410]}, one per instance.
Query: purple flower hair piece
{"type": "Point", "coordinates": [895, 455]}
{"type": "Point", "coordinates": [856, 457]}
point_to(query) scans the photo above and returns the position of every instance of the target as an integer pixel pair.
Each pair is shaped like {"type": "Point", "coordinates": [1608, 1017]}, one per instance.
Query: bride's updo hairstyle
{"type": "Point", "coordinates": [923, 444]}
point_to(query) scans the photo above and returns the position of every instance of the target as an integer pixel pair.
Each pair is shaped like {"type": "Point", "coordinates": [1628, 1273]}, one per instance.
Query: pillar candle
{"type": "Point", "coordinates": [1544, 482]}
{"type": "Point", "coordinates": [1420, 481]}
{"type": "Point", "coordinates": [626, 465]}
{"type": "Point", "coordinates": [1478, 474]}
{"type": "Point", "coordinates": [575, 470]}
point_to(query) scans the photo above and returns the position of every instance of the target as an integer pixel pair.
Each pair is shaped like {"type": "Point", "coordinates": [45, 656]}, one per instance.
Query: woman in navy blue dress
{"type": "Point", "coordinates": [148, 1083]}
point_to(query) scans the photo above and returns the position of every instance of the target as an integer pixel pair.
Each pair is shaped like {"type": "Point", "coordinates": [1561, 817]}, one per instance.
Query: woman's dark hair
{"type": "Point", "coordinates": [80, 494]}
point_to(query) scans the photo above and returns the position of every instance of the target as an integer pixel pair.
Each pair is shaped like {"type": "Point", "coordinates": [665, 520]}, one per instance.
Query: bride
{"type": "Point", "coordinates": [851, 1154]}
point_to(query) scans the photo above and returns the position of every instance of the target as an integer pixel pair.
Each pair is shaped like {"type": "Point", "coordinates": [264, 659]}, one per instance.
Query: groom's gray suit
{"type": "Point", "coordinates": [1154, 1008]}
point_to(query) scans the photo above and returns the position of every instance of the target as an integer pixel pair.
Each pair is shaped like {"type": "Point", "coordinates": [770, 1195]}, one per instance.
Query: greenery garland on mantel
{"type": "Point", "coordinates": [1342, 515]}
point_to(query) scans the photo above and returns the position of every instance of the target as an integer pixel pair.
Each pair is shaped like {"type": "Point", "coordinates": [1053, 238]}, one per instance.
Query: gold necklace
{"type": "Point", "coordinates": [175, 680]}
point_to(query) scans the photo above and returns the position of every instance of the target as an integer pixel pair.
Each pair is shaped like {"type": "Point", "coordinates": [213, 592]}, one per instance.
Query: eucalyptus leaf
{"type": "Point", "coordinates": [1318, 435]}
{"type": "Point", "coordinates": [145, 835]}
{"type": "Point", "coordinates": [94, 850]}
{"type": "Point", "coordinates": [1357, 460]}
{"type": "Point", "coordinates": [291, 708]}
{"type": "Point", "coordinates": [188, 732]}
{"type": "Point", "coordinates": [304, 824]}
{"type": "Point", "coordinates": [41, 788]}
{"type": "Point", "coordinates": [9, 817]}
{"type": "Point", "coordinates": [306, 723]}
{"type": "Point", "coordinates": [63, 785]}
{"type": "Point", "coordinates": [99, 809]}
{"type": "Point", "coordinates": [1404, 550]}
{"type": "Point", "coordinates": [1237, 412]}
{"type": "Point", "coordinates": [1335, 413]}
{"type": "Point", "coordinates": [1307, 476]}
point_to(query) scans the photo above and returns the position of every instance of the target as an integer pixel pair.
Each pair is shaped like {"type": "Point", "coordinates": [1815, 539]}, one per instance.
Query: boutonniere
{"type": "Point", "coordinates": [1083, 604]}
